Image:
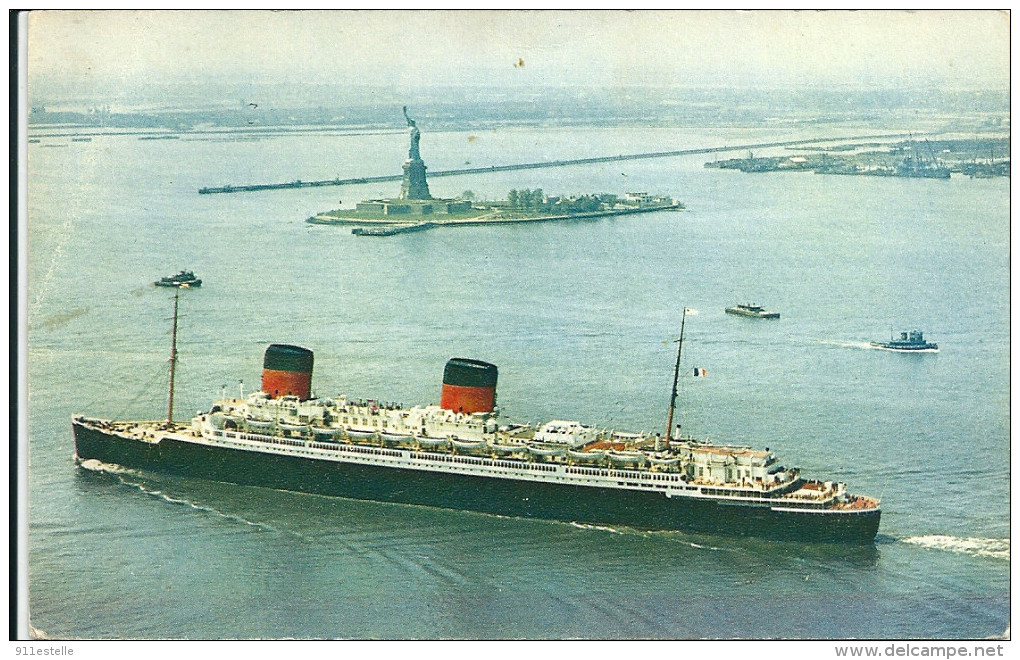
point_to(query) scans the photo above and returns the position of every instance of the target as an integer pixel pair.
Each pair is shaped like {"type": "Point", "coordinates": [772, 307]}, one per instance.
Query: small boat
{"type": "Point", "coordinates": [546, 451]}
{"type": "Point", "coordinates": [911, 341]}
{"type": "Point", "coordinates": [182, 280]}
{"type": "Point", "coordinates": [325, 432]}
{"type": "Point", "coordinates": [395, 437]}
{"type": "Point", "coordinates": [663, 462]}
{"type": "Point", "coordinates": [225, 422]}
{"type": "Point", "coordinates": [505, 449]}
{"type": "Point", "coordinates": [468, 445]}
{"type": "Point", "coordinates": [299, 428]}
{"type": "Point", "coordinates": [752, 310]}
{"type": "Point", "coordinates": [626, 457]}
{"type": "Point", "coordinates": [259, 424]}
{"type": "Point", "coordinates": [359, 434]}
{"type": "Point", "coordinates": [591, 456]}
{"type": "Point", "coordinates": [428, 441]}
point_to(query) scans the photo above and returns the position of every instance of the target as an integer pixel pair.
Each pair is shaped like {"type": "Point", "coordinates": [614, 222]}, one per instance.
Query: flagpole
{"type": "Point", "coordinates": [676, 378]}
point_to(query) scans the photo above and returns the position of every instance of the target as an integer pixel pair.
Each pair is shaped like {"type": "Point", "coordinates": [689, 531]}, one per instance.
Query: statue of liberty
{"type": "Point", "coordinates": [414, 184]}
{"type": "Point", "coordinates": [413, 152]}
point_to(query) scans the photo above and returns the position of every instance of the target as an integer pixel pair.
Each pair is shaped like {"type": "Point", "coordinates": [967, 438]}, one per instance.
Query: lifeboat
{"type": "Point", "coordinates": [325, 432]}
{"type": "Point", "coordinates": [430, 442]}
{"type": "Point", "coordinates": [395, 437]}
{"type": "Point", "coordinates": [286, 426]}
{"type": "Point", "coordinates": [546, 451]}
{"type": "Point", "coordinates": [592, 456]}
{"type": "Point", "coordinates": [259, 424]}
{"type": "Point", "coordinates": [359, 434]}
{"type": "Point", "coordinates": [226, 422]}
{"type": "Point", "coordinates": [468, 445]}
{"type": "Point", "coordinates": [626, 457]}
{"type": "Point", "coordinates": [505, 449]}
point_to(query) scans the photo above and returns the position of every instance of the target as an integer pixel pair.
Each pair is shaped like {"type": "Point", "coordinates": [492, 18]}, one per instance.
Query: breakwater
{"type": "Point", "coordinates": [529, 166]}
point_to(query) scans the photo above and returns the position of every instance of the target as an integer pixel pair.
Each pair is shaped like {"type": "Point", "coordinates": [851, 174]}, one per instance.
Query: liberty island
{"type": "Point", "coordinates": [416, 209]}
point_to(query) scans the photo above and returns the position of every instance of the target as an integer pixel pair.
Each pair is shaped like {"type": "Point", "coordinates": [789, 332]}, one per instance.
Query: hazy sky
{"type": "Point", "coordinates": [96, 49]}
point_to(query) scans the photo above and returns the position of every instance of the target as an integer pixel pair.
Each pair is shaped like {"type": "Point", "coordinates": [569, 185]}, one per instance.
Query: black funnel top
{"type": "Point", "coordinates": [465, 372]}
{"type": "Point", "coordinates": [284, 357]}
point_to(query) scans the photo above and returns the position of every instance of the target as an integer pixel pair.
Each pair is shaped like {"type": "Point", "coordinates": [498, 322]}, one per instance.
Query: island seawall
{"type": "Point", "coordinates": [387, 227]}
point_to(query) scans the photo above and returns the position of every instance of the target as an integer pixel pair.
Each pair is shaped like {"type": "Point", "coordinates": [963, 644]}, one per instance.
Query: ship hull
{"type": "Point", "coordinates": [754, 315]}
{"type": "Point", "coordinates": [502, 496]}
{"type": "Point", "coordinates": [919, 348]}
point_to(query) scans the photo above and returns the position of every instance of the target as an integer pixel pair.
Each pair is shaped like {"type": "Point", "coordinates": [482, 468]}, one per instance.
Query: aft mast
{"type": "Point", "coordinates": [676, 378]}
{"type": "Point", "coordinates": [173, 362]}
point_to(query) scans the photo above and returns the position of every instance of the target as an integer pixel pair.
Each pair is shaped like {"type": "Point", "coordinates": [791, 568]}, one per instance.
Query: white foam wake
{"type": "Point", "coordinates": [981, 547]}
{"type": "Point", "coordinates": [95, 465]}
{"type": "Point", "coordinates": [199, 507]}
{"type": "Point", "coordinates": [601, 528]}
{"type": "Point", "coordinates": [114, 469]}
{"type": "Point", "coordinates": [846, 344]}
{"type": "Point", "coordinates": [626, 530]}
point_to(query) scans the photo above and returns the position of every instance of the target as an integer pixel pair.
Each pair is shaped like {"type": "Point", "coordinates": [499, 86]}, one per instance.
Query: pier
{"type": "Point", "coordinates": [529, 166]}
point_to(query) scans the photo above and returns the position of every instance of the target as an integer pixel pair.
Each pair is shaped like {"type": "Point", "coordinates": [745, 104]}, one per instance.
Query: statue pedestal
{"type": "Point", "coordinates": [414, 184]}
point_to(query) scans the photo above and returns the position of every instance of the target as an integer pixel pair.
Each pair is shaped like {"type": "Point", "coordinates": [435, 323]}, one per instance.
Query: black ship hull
{"type": "Point", "coordinates": [180, 285]}
{"type": "Point", "coordinates": [502, 496]}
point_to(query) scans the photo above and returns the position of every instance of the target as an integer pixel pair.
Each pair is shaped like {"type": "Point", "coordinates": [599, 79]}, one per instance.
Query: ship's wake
{"type": "Point", "coordinates": [979, 547]}
{"type": "Point", "coordinates": [871, 347]}
{"type": "Point", "coordinates": [847, 344]}
{"type": "Point", "coordinates": [627, 530]}
{"type": "Point", "coordinates": [122, 474]}
{"type": "Point", "coordinates": [601, 528]}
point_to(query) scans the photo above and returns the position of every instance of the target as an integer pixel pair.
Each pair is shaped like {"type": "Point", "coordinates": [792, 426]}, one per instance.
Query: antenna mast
{"type": "Point", "coordinates": [676, 378]}
{"type": "Point", "coordinates": [173, 361]}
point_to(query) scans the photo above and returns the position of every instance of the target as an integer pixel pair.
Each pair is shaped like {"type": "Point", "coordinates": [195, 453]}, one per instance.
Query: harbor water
{"type": "Point", "coordinates": [581, 318]}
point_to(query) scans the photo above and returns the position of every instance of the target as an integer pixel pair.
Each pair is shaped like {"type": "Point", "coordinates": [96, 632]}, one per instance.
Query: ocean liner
{"type": "Point", "coordinates": [460, 454]}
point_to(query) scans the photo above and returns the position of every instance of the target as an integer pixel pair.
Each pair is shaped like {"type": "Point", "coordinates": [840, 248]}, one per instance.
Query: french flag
{"type": "Point", "coordinates": [698, 372]}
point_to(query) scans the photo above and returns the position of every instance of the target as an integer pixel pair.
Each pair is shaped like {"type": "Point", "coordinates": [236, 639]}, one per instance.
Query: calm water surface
{"type": "Point", "coordinates": [580, 318]}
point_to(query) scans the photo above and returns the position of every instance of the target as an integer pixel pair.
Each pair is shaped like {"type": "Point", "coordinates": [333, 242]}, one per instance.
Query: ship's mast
{"type": "Point", "coordinates": [676, 378]}
{"type": "Point", "coordinates": [173, 361]}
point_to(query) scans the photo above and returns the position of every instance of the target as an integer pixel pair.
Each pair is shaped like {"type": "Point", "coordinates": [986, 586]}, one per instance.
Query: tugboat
{"type": "Point", "coordinates": [182, 280]}
{"type": "Point", "coordinates": [912, 341]}
{"type": "Point", "coordinates": [754, 311]}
